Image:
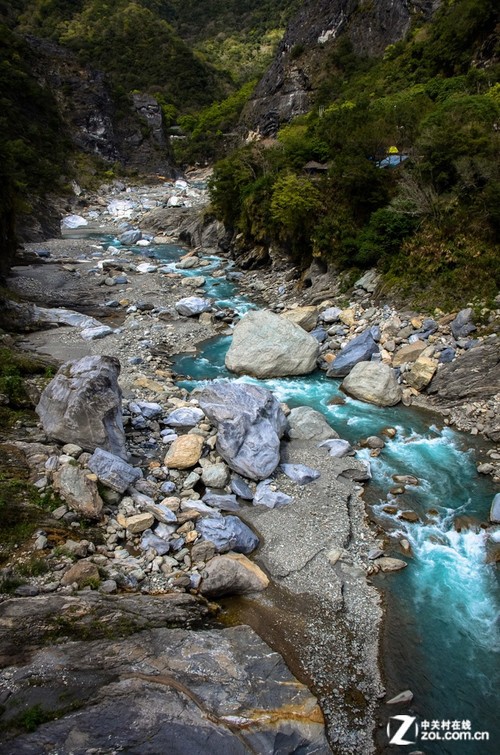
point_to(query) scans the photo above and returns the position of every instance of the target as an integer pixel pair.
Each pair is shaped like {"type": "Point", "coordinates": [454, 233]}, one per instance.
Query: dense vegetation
{"type": "Point", "coordinates": [431, 222]}
{"type": "Point", "coordinates": [129, 40]}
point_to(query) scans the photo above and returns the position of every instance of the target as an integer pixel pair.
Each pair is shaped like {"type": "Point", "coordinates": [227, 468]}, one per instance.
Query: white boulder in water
{"type": "Point", "coordinates": [267, 345]}
{"type": "Point", "coordinates": [495, 510]}
{"type": "Point", "coordinates": [373, 382]}
{"type": "Point", "coordinates": [71, 222]}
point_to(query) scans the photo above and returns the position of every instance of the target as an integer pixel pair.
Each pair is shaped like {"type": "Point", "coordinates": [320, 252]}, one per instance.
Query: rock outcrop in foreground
{"type": "Point", "coordinates": [266, 345]}
{"type": "Point", "coordinates": [159, 690]}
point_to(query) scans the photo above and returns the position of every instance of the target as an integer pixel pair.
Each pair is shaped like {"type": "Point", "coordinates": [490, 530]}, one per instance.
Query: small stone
{"type": "Point", "coordinates": [41, 543]}
{"type": "Point", "coordinates": [71, 449]}
{"type": "Point", "coordinates": [215, 475]}
{"type": "Point", "coordinates": [139, 523]}
{"type": "Point", "coordinates": [398, 490]}
{"type": "Point", "coordinates": [203, 551]}
{"type": "Point", "coordinates": [403, 697]}
{"type": "Point", "coordinates": [387, 564]}
{"type": "Point", "coordinates": [485, 468]}
{"type": "Point", "coordinates": [83, 573]}
{"type": "Point", "coordinates": [409, 516]}
{"type": "Point", "coordinates": [184, 452]}
{"type": "Point", "coordinates": [108, 587]}
{"type": "Point", "coordinates": [334, 555]}
{"type": "Point", "coordinates": [113, 471]}
{"type": "Point", "coordinates": [26, 591]}
{"type": "Point", "coordinates": [405, 479]}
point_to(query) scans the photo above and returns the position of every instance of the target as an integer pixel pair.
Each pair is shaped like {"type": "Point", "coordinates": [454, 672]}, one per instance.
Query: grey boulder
{"type": "Point", "coordinates": [308, 424]}
{"type": "Point", "coordinates": [112, 471]}
{"type": "Point", "coordinates": [82, 405]}
{"type": "Point", "coordinates": [462, 325]}
{"type": "Point", "coordinates": [215, 475]}
{"type": "Point", "coordinates": [130, 237]}
{"type": "Point", "coordinates": [191, 306]}
{"type": "Point", "coordinates": [373, 382]}
{"type": "Point", "coordinates": [359, 349]}
{"type": "Point", "coordinates": [300, 473]}
{"type": "Point", "coordinates": [495, 510]}
{"type": "Point", "coordinates": [250, 423]}
{"type": "Point", "coordinates": [267, 345]}
{"type": "Point", "coordinates": [150, 540]}
{"type": "Point", "coordinates": [78, 490]}
{"type": "Point", "coordinates": [226, 502]}
{"type": "Point", "coordinates": [228, 534]}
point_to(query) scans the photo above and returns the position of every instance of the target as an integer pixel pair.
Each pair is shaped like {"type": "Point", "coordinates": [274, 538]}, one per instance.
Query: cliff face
{"type": "Point", "coordinates": [130, 133]}
{"type": "Point", "coordinates": [286, 89]}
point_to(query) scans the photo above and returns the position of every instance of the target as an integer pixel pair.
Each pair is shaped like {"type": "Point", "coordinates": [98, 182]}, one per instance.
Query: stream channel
{"type": "Point", "coordinates": [441, 634]}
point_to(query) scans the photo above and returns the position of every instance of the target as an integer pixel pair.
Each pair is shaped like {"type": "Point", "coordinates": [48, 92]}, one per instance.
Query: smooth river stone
{"type": "Point", "coordinates": [184, 452]}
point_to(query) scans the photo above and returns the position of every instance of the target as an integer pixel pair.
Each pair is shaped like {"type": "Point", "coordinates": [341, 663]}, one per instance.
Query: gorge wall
{"type": "Point", "coordinates": [287, 88]}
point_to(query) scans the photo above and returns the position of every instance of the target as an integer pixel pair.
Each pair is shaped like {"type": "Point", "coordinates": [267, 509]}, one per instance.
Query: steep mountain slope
{"type": "Point", "coordinates": [393, 160]}
{"type": "Point", "coordinates": [287, 88]}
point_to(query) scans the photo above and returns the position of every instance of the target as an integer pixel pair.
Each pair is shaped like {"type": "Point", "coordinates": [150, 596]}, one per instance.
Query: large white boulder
{"type": "Point", "coordinates": [266, 345]}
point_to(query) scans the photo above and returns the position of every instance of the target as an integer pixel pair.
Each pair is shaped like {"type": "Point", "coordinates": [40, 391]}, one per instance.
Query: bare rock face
{"type": "Point", "coordinates": [82, 405]}
{"type": "Point", "coordinates": [267, 345]}
{"type": "Point", "coordinates": [147, 692]}
{"type": "Point", "coordinates": [286, 89]}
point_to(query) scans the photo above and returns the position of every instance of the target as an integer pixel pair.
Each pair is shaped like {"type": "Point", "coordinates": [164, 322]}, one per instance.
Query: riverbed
{"type": "Point", "coordinates": [441, 628]}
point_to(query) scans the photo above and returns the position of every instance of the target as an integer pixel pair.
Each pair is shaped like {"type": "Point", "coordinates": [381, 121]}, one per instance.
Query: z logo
{"type": "Point", "coordinates": [405, 723]}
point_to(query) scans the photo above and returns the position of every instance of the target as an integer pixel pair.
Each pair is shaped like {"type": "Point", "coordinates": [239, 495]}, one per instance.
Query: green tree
{"type": "Point", "coordinates": [295, 206]}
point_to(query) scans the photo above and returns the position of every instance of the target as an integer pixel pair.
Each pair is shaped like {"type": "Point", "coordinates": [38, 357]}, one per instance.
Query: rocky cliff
{"type": "Point", "coordinates": [129, 132]}
{"type": "Point", "coordinates": [287, 88]}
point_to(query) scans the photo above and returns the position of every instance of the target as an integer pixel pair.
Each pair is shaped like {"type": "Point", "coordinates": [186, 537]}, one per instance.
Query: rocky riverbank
{"type": "Point", "coordinates": [176, 510]}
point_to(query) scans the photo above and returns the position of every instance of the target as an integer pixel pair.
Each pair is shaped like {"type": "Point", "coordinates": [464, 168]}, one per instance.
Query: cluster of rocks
{"type": "Point", "coordinates": [172, 520]}
{"type": "Point", "coordinates": [117, 202]}
{"type": "Point", "coordinates": [383, 356]}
